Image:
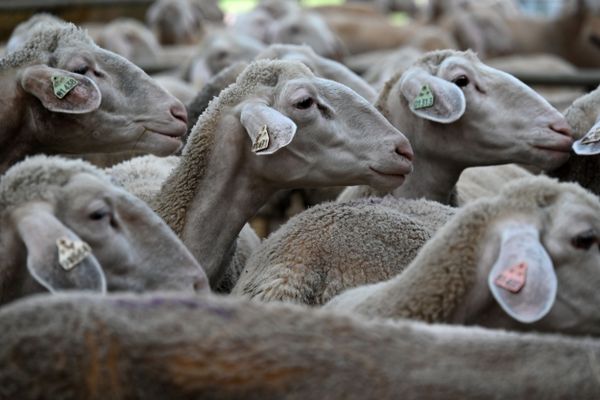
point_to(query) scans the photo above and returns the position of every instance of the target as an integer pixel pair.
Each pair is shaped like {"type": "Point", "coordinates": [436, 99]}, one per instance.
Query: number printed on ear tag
{"type": "Point", "coordinates": [425, 98]}
{"type": "Point", "coordinates": [71, 252]}
{"type": "Point", "coordinates": [63, 85]}
{"type": "Point", "coordinates": [262, 140]}
{"type": "Point", "coordinates": [512, 279]}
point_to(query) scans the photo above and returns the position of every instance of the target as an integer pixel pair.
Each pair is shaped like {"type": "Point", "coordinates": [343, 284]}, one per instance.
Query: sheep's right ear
{"type": "Point", "coordinates": [590, 143]}
{"type": "Point", "coordinates": [61, 91]}
{"type": "Point", "coordinates": [269, 130]}
{"type": "Point", "coordinates": [522, 279]}
{"type": "Point", "coordinates": [45, 237]}
{"type": "Point", "coordinates": [432, 98]}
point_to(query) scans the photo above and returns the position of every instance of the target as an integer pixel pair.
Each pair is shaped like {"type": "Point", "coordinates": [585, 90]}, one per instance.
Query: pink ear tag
{"type": "Point", "coordinates": [512, 279]}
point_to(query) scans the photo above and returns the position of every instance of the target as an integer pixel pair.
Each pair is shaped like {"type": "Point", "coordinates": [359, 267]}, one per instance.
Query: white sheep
{"type": "Point", "coordinates": [66, 226]}
{"type": "Point", "coordinates": [525, 259]}
{"type": "Point", "coordinates": [278, 126]}
{"type": "Point", "coordinates": [64, 94]}
{"type": "Point", "coordinates": [475, 115]}
{"type": "Point", "coordinates": [173, 346]}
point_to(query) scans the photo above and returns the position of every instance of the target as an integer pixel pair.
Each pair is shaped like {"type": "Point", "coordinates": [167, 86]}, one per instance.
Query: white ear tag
{"type": "Point", "coordinates": [590, 143]}
{"type": "Point", "coordinates": [523, 280]}
{"type": "Point", "coordinates": [262, 140]}
{"type": "Point", "coordinates": [71, 252]}
{"type": "Point", "coordinates": [425, 98]}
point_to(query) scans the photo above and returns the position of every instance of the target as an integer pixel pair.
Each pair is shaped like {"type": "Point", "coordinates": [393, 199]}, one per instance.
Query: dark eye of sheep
{"type": "Point", "coordinates": [585, 240]}
{"type": "Point", "coordinates": [99, 214]}
{"type": "Point", "coordinates": [82, 70]}
{"type": "Point", "coordinates": [304, 104]}
{"type": "Point", "coordinates": [461, 81]}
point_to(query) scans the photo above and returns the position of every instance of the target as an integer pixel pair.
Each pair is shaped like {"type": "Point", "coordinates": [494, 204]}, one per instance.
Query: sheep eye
{"type": "Point", "coordinates": [461, 81]}
{"type": "Point", "coordinates": [304, 104]}
{"type": "Point", "coordinates": [99, 214]}
{"type": "Point", "coordinates": [585, 240]}
{"type": "Point", "coordinates": [81, 70]}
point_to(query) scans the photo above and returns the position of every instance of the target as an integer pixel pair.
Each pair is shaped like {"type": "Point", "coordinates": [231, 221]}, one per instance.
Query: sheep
{"type": "Point", "coordinates": [334, 246]}
{"type": "Point", "coordinates": [80, 346]}
{"type": "Point", "coordinates": [51, 202]}
{"type": "Point", "coordinates": [112, 106]}
{"type": "Point", "coordinates": [525, 259]}
{"type": "Point", "coordinates": [131, 39]}
{"type": "Point", "coordinates": [25, 30]}
{"type": "Point", "coordinates": [320, 66]}
{"type": "Point", "coordinates": [257, 22]}
{"type": "Point", "coordinates": [584, 116]}
{"type": "Point", "coordinates": [182, 21]}
{"type": "Point", "coordinates": [479, 116]}
{"type": "Point", "coordinates": [241, 149]}
{"type": "Point", "coordinates": [218, 51]}
{"type": "Point", "coordinates": [179, 88]}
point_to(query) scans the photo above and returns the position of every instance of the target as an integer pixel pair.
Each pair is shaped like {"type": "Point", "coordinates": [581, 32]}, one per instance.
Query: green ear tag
{"type": "Point", "coordinates": [424, 99]}
{"type": "Point", "coordinates": [63, 85]}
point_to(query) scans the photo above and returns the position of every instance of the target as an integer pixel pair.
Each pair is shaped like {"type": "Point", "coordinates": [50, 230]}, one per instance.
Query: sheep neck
{"type": "Point", "coordinates": [225, 197]}
{"type": "Point", "coordinates": [432, 178]}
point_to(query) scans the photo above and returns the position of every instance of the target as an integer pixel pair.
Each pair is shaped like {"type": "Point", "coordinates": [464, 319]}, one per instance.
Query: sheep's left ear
{"type": "Point", "coordinates": [523, 280]}
{"type": "Point", "coordinates": [590, 143]}
{"type": "Point", "coordinates": [432, 98]}
{"type": "Point", "coordinates": [269, 130]}
{"type": "Point", "coordinates": [60, 90]}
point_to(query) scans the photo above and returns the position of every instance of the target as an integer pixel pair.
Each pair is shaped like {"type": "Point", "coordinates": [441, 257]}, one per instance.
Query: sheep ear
{"type": "Point", "coordinates": [432, 98]}
{"type": "Point", "coordinates": [268, 129]}
{"type": "Point", "coordinates": [56, 257]}
{"type": "Point", "coordinates": [61, 91]}
{"type": "Point", "coordinates": [523, 280]}
{"type": "Point", "coordinates": [590, 143]}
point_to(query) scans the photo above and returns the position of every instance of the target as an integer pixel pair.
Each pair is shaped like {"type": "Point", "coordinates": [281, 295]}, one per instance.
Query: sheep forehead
{"type": "Point", "coordinates": [34, 178]}
{"type": "Point", "coordinates": [433, 60]}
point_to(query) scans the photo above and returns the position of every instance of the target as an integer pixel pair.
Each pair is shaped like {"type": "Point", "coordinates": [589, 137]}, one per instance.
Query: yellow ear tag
{"type": "Point", "coordinates": [71, 252]}
{"type": "Point", "coordinates": [63, 85]}
{"type": "Point", "coordinates": [262, 140]}
{"type": "Point", "coordinates": [592, 137]}
{"type": "Point", "coordinates": [425, 98]}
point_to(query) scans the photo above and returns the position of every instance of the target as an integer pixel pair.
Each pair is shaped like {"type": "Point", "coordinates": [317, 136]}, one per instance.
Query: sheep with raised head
{"type": "Point", "coordinates": [64, 94]}
{"type": "Point", "coordinates": [526, 259]}
{"type": "Point", "coordinates": [277, 127]}
{"type": "Point", "coordinates": [473, 115]}
{"type": "Point", "coordinates": [65, 226]}
{"type": "Point", "coordinates": [173, 346]}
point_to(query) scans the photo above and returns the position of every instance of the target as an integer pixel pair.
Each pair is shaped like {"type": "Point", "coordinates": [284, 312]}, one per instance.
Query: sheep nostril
{"type": "Point", "coordinates": [405, 151]}
{"type": "Point", "coordinates": [200, 284]}
{"type": "Point", "coordinates": [179, 112]}
{"type": "Point", "coordinates": [563, 128]}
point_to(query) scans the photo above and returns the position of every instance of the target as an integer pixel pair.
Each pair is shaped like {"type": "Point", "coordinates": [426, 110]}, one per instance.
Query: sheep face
{"type": "Point", "coordinates": [478, 116]}
{"type": "Point", "coordinates": [115, 106]}
{"type": "Point", "coordinates": [558, 248]}
{"type": "Point", "coordinates": [120, 244]}
{"type": "Point", "coordinates": [315, 121]}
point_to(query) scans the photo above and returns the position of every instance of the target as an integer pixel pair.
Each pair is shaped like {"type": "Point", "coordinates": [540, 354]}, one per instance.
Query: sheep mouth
{"type": "Point", "coordinates": [556, 148]}
{"type": "Point", "coordinates": [400, 175]}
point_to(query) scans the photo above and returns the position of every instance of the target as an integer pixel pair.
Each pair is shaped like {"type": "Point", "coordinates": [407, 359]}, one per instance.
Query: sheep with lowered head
{"type": "Point", "coordinates": [277, 127]}
{"type": "Point", "coordinates": [526, 259]}
{"type": "Point", "coordinates": [179, 347]}
{"type": "Point", "coordinates": [64, 94]}
{"type": "Point", "coordinates": [458, 112]}
{"type": "Point", "coordinates": [66, 226]}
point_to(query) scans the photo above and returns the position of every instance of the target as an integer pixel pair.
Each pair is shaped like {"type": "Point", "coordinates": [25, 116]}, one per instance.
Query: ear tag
{"type": "Point", "coordinates": [592, 137]}
{"type": "Point", "coordinates": [262, 140]}
{"type": "Point", "coordinates": [513, 279]}
{"type": "Point", "coordinates": [63, 85]}
{"type": "Point", "coordinates": [71, 252]}
{"type": "Point", "coordinates": [425, 98]}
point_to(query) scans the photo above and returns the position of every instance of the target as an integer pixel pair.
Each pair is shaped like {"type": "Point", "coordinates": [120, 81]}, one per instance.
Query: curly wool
{"type": "Point", "coordinates": [178, 191]}
{"type": "Point", "coordinates": [336, 246]}
{"type": "Point", "coordinates": [43, 42]}
{"type": "Point", "coordinates": [35, 178]}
